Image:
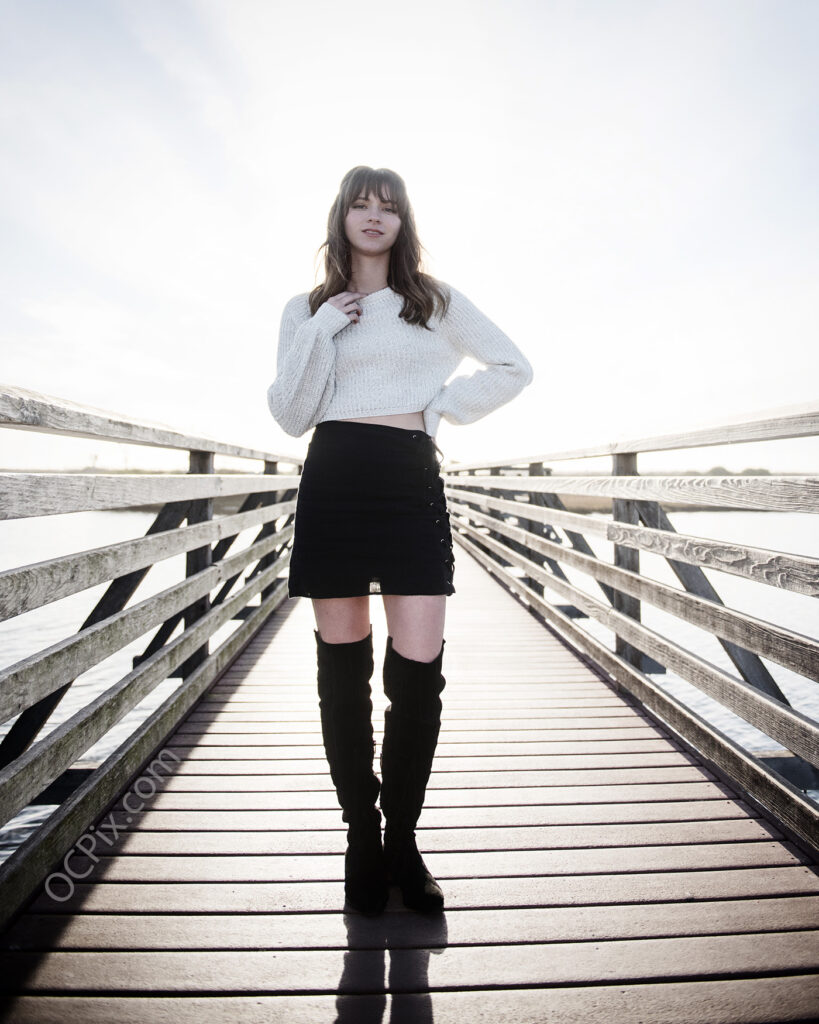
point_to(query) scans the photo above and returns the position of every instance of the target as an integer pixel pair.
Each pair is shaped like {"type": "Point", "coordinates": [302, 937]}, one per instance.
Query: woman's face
{"type": "Point", "coordinates": [372, 226]}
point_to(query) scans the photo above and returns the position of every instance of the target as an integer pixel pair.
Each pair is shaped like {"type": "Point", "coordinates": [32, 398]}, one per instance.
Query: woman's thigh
{"type": "Point", "coordinates": [416, 624]}
{"type": "Point", "coordinates": [342, 620]}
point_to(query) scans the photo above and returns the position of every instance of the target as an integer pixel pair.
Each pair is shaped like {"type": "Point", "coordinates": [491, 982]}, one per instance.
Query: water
{"type": "Point", "coordinates": [25, 541]}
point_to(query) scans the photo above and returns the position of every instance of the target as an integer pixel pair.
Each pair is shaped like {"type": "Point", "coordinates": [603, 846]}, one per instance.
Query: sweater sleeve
{"type": "Point", "coordinates": [305, 365]}
{"type": "Point", "coordinates": [471, 396]}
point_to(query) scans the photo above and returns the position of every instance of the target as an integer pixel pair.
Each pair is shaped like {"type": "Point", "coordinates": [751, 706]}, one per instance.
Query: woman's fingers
{"type": "Point", "coordinates": [348, 303]}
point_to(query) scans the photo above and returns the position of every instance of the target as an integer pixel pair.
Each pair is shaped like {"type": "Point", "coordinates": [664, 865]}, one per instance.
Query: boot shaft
{"type": "Point", "coordinates": [412, 724]}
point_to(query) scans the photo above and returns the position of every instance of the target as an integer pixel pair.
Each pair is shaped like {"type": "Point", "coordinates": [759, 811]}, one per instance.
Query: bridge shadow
{"type": "Point", "coordinates": [389, 955]}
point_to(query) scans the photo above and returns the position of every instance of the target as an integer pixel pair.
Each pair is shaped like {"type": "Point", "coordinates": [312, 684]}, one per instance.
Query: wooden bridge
{"type": "Point", "coordinates": [607, 853]}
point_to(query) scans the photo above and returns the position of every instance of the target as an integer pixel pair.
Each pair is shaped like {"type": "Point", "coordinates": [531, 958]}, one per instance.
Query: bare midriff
{"type": "Point", "coordinates": [409, 420]}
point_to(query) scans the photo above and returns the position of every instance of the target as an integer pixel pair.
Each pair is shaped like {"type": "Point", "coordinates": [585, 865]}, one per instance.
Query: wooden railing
{"type": "Point", "coordinates": [177, 622]}
{"type": "Point", "coordinates": [511, 516]}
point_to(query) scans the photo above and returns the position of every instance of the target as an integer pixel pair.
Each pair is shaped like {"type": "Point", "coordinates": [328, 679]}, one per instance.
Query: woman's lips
{"type": "Point", "coordinates": [372, 231]}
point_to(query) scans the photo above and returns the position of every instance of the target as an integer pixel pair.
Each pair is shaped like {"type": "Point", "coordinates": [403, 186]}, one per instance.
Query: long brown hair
{"type": "Point", "coordinates": [421, 292]}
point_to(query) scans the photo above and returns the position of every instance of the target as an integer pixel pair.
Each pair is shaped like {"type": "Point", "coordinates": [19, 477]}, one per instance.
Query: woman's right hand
{"type": "Point", "coordinates": [348, 303]}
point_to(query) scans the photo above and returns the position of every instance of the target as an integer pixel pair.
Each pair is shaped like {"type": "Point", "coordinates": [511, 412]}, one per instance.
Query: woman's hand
{"type": "Point", "coordinates": [348, 303]}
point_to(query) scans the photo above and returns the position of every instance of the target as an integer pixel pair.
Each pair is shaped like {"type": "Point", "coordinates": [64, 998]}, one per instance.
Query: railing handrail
{"type": "Point", "coordinates": [767, 425]}
{"type": "Point", "coordinates": [22, 408]}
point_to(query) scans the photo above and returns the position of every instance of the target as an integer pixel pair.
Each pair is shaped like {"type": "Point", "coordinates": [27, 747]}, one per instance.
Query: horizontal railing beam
{"type": "Point", "coordinates": [24, 495]}
{"type": "Point", "coordinates": [769, 493]}
{"type": "Point", "coordinates": [796, 573]}
{"type": "Point", "coordinates": [772, 425]}
{"type": "Point", "coordinates": [47, 414]}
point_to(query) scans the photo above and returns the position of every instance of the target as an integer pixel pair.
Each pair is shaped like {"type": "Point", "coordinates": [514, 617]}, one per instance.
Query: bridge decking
{"type": "Point", "coordinates": [593, 869]}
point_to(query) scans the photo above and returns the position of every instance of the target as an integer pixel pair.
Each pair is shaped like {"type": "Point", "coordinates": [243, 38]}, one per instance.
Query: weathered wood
{"type": "Point", "coordinates": [767, 493]}
{"type": "Point", "coordinates": [750, 1000]}
{"type": "Point", "coordinates": [539, 510]}
{"type": "Point", "coordinates": [223, 813]}
{"type": "Point", "coordinates": [198, 560]}
{"type": "Point", "coordinates": [28, 724]}
{"type": "Point", "coordinates": [34, 677]}
{"type": "Point", "coordinates": [407, 931]}
{"type": "Point", "coordinates": [795, 651]}
{"type": "Point", "coordinates": [45, 494]}
{"type": "Point", "coordinates": [790, 421]}
{"type": "Point", "coordinates": [29, 773]}
{"type": "Point", "coordinates": [24, 870]}
{"type": "Point", "coordinates": [47, 414]}
{"type": "Point", "coordinates": [788, 804]}
{"type": "Point", "coordinates": [748, 664]}
{"type": "Point", "coordinates": [536, 890]}
{"type": "Point", "coordinates": [41, 583]}
{"type": "Point", "coordinates": [318, 971]}
{"type": "Point", "coordinates": [797, 573]}
{"type": "Point", "coordinates": [149, 838]}
{"type": "Point", "coordinates": [498, 864]}
{"type": "Point", "coordinates": [624, 511]}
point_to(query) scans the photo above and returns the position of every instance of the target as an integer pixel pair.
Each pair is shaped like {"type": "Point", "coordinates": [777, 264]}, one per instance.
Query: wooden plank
{"type": "Point", "coordinates": [23, 495]}
{"type": "Point", "coordinates": [40, 674]}
{"type": "Point", "coordinates": [408, 931]}
{"type": "Point", "coordinates": [312, 760]}
{"type": "Point", "coordinates": [767, 493]}
{"type": "Point", "coordinates": [557, 728]}
{"type": "Point", "coordinates": [539, 890]}
{"type": "Point", "coordinates": [22, 408]}
{"type": "Point", "coordinates": [457, 744]}
{"type": "Point", "coordinates": [532, 783]}
{"type": "Point", "coordinates": [226, 791]}
{"type": "Point", "coordinates": [606, 718]}
{"type": "Point", "coordinates": [444, 865]}
{"type": "Point", "coordinates": [272, 835]}
{"type": "Point", "coordinates": [41, 583]}
{"type": "Point", "coordinates": [318, 971]}
{"type": "Point", "coordinates": [222, 815]}
{"type": "Point", "coordinates": [750, 1000]}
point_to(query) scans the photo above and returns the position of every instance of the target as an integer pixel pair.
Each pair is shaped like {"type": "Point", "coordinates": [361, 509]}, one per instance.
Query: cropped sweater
{"type": "Point", "coordinates": [330, 368]}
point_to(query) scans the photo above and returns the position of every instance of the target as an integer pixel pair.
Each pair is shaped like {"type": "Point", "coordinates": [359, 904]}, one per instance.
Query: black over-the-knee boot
{"type": "Point", "coordinates": [411, 726]}
{"type": "Point", "coordinates": [344, 672]}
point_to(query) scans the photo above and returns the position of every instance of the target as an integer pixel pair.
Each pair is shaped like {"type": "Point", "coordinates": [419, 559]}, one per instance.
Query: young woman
{"type": "Point", "coordinates": [364, 358]}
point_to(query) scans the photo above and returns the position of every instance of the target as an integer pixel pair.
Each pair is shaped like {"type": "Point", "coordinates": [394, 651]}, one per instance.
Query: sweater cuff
{"type": "Point", "coordinates": [431, 421]}
{"type": "Point", "coordinates": [328, 318]}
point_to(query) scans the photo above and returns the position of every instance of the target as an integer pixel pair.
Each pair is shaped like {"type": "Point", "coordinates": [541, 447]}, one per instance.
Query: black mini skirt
{"type": "Point", "coordinates": [371, 516]}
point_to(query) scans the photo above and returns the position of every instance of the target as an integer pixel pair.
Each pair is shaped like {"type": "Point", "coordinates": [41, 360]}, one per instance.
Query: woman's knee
{"type": "Point", "coordinates": [416, 624]}
{"type": "Point", "coordinates": [342, 620]}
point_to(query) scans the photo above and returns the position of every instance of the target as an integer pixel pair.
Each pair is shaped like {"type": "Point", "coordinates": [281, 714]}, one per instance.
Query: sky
{"type": "Point", "coordinates": [625, 187]}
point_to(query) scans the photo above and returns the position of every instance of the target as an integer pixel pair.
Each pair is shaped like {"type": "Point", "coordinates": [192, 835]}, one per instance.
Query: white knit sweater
{"type": "Point", "coordinates": [329, 368]}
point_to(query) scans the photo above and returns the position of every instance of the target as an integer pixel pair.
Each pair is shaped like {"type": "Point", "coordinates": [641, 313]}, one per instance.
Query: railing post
{"type": "Point", "coordinates": [270, 468]}
{"type": "Point", "coordinates": [625, 511]}
{"type": "Point", "coordinates": [536, 527]}
{"type": "Point", "coordinates": [201, 511]}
